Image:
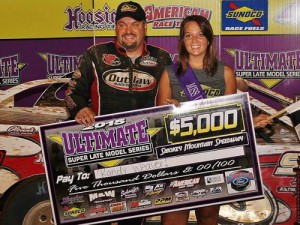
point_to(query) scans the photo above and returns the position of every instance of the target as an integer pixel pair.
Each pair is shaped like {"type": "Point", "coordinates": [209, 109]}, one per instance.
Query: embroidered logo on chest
{"type": "Point", "coordinates": [148, 61]}
{"type": "Point", "coordinates": [111, 60]}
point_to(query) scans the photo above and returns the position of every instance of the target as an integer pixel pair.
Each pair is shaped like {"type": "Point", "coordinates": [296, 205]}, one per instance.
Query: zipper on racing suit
{"type": "Point", "coordinates": [133, 100]}
{"type": "Point", "coordinates": [130, 71]}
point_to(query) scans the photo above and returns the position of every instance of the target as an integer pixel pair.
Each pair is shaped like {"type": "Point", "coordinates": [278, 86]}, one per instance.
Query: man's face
{"type": "Point", "coordinates": [131, 33]}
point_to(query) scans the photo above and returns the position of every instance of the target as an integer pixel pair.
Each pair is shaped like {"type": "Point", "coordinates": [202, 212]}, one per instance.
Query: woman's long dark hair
{"type": "Point", "coordinates": [210, 62]}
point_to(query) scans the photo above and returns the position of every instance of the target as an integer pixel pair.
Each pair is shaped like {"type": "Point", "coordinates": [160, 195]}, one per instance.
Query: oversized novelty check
{"type": "Point", "coordinates": [151, 161]}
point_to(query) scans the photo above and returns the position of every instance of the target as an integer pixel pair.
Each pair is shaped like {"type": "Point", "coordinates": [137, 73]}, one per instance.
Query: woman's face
{"type": "Point", "coordinates": [195, 42]}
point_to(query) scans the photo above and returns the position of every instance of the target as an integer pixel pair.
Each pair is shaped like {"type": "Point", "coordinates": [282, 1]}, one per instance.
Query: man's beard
{"type": "Point", "coordinates": [129, 47]}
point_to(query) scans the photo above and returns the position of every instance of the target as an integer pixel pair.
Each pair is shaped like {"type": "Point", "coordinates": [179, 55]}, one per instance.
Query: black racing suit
{"type": "Point", "coordinates": [109, 82]}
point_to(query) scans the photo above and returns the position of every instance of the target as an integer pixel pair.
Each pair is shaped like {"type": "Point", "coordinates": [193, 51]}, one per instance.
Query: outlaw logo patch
{"type": "Point", "coordinates": [119, 79]}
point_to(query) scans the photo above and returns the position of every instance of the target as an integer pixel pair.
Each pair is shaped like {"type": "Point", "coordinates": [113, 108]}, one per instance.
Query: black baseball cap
{"type": "Point", "coordinates": [130, 9]}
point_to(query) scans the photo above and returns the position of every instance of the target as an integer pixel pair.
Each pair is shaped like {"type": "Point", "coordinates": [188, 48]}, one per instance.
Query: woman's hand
{"type": "Point", "coordinates": [85, 116]}
{"type": "Point", "coordinates": [261, 121]}
{"type": "Point", "coordinates": [171, 101]}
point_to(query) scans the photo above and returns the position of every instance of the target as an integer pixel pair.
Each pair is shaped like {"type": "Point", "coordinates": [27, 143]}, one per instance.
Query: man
{"type": "Point", "coordinates": [117, 76]}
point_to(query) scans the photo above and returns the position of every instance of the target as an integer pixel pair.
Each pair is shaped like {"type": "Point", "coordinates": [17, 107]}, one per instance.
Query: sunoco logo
{"type": "Point", "coordinates": [244, 15]}
{"type": "Point", "coordinates": [74, 212]}
{"type": "Point", "coordinates": [119, 79]}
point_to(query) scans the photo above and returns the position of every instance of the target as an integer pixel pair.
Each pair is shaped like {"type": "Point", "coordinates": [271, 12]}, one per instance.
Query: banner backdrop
{"type": "Point", "coordinates": [81, 18]}
{"type": "Point", "coordinates": [258, 39]}
{"type": "Point", "coordinates": [152, 161]}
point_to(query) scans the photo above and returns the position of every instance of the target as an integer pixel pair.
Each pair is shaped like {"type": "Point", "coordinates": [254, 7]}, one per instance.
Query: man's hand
{"type": "Point", "coordinates": [85, 116]}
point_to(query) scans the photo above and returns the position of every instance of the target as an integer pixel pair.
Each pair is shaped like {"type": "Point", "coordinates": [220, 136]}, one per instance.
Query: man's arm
{"type": "Point", "coordinates": [78, 91]}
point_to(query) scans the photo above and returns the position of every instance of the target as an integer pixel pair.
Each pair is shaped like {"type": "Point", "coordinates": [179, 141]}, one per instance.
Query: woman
{"type": "Point", "coordinates": [196, 51]}
{"type": "Point", "coordinates": [197, 64]}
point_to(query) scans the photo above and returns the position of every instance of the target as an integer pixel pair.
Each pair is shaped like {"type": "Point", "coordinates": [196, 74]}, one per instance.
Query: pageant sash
{"type": "Point", "coordinates": [190, 83]}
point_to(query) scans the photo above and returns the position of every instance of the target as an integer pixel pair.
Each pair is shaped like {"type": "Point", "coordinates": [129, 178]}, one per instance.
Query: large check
{"type": "Point", "coordinates": [151, 161]}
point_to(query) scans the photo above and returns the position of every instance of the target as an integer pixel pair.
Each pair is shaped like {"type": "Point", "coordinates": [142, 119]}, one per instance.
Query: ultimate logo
{"type": "Point", "coordinates": [245, 15]}
{"type": "Point", "coordinates": [270, 67]}
{"type": "Point", "coordinates": [59, 65]}
{"type": "Point", "coordinates": [10, 67]}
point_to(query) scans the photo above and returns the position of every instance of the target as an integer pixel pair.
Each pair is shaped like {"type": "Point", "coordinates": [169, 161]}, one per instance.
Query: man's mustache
{"type": "Point", "coordinates": [129, 34]}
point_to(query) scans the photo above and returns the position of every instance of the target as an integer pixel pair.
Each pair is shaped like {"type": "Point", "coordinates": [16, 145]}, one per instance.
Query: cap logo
{"type": "Point", "coordinates": [128, 8]}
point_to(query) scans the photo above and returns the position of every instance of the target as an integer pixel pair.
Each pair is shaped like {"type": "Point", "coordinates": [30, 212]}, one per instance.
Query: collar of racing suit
{"type": "Point", "coordinates": [122, 51]}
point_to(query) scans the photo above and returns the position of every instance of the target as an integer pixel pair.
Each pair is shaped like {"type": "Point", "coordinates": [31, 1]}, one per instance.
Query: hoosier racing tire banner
{"type": "Point", "coordinates": [152, 161]}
